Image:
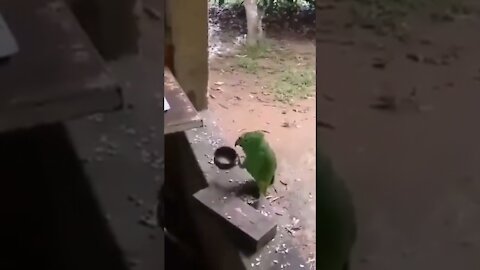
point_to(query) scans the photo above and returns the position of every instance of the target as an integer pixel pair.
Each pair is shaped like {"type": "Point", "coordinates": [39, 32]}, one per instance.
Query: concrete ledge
{"type": "Point", "coordinates": [72, 80]}
{"type": "Point", "coordinates": [183, 178]}
{"type": "Point", "coordinates": [222, 197]}
{"type": "Point", "coordinates": [250, 229]}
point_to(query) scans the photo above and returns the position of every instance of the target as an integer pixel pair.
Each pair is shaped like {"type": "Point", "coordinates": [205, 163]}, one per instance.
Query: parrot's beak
{"type": "Point", "coordinates": [237, 142]}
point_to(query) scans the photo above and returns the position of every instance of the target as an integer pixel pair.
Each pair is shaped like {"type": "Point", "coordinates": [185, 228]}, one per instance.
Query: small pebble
{"type": "Point", "coordinates": [131, 131]}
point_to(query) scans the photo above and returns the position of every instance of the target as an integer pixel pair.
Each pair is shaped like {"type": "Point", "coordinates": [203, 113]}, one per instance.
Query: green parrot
{"type": "Point", "coordinates": [260, 160]}
{"type": "Point", "coordinates": [336, 225]}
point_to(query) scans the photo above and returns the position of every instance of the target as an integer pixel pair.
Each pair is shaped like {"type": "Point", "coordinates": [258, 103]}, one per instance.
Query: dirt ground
{"type": "Point", "coordinates": [404, 136]}
{"type": "Point", "coordinates": [242, 99]}
{"type": "Point", "coordinates": [411, 158]}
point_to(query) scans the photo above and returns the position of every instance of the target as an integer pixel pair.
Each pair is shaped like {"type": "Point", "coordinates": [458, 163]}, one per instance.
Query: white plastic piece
{"type": "Point", "coordinates": [166, 106]}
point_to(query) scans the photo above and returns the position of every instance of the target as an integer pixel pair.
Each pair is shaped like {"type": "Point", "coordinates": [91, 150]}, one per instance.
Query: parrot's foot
{"type": "Point", "coordinates": [240, 163]}
{"type": "Point", "coordinates": [256, 204]}
{"type": "Point", "coordinates": [257, 194]}
{"type": "Point", "coordinates": [259, 199]}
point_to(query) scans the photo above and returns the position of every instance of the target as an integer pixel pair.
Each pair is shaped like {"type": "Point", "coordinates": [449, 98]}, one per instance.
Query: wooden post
{"type": "Point", "coordinates": [189, 32]}
{"type": "Point", "coordinates": [110, 24]}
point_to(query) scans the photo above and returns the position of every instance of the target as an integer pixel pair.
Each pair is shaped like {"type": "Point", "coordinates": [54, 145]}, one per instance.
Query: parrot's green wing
{"type": "Point", "coordinates": [336, 226]}
{"type": "Point", "coordinates": [262, 165]}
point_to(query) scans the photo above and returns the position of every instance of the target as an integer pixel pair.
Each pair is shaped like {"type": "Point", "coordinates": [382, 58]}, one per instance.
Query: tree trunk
{"type": "Point", "coordinates": [251, 10]}
{"type": "Point", "coordinates": [260, 34]}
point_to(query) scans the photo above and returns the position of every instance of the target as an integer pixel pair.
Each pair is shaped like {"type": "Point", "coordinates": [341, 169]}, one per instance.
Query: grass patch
{"type": "Point", "coordinates": [290, 81]}
{"type": "Point", "coordinates": [248, 64]}
{"type": "Point", "coordinates": [262, 50]}
{"type": "Point", "coordinates": [294, 84]}
{"type": "Point", "coordinates": [249, 56]}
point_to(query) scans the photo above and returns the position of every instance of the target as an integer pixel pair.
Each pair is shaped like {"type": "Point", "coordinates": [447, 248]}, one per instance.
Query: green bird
{"type": "Point", "coordinates": [260, 160]}
{"type": "Point", "coordinates": [336, 225]}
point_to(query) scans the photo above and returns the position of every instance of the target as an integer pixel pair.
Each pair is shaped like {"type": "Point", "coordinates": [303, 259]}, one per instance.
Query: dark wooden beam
{"type": "Point", "coordinates": [56, 74]}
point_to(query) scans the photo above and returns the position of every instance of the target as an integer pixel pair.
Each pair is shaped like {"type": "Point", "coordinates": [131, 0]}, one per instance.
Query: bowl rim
{"type": "Point", "coordinates": [228, 153]}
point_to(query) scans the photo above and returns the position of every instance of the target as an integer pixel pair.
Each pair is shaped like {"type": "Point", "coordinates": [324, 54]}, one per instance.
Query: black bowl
{"type": "Point", "coordinates": [225, 157]}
